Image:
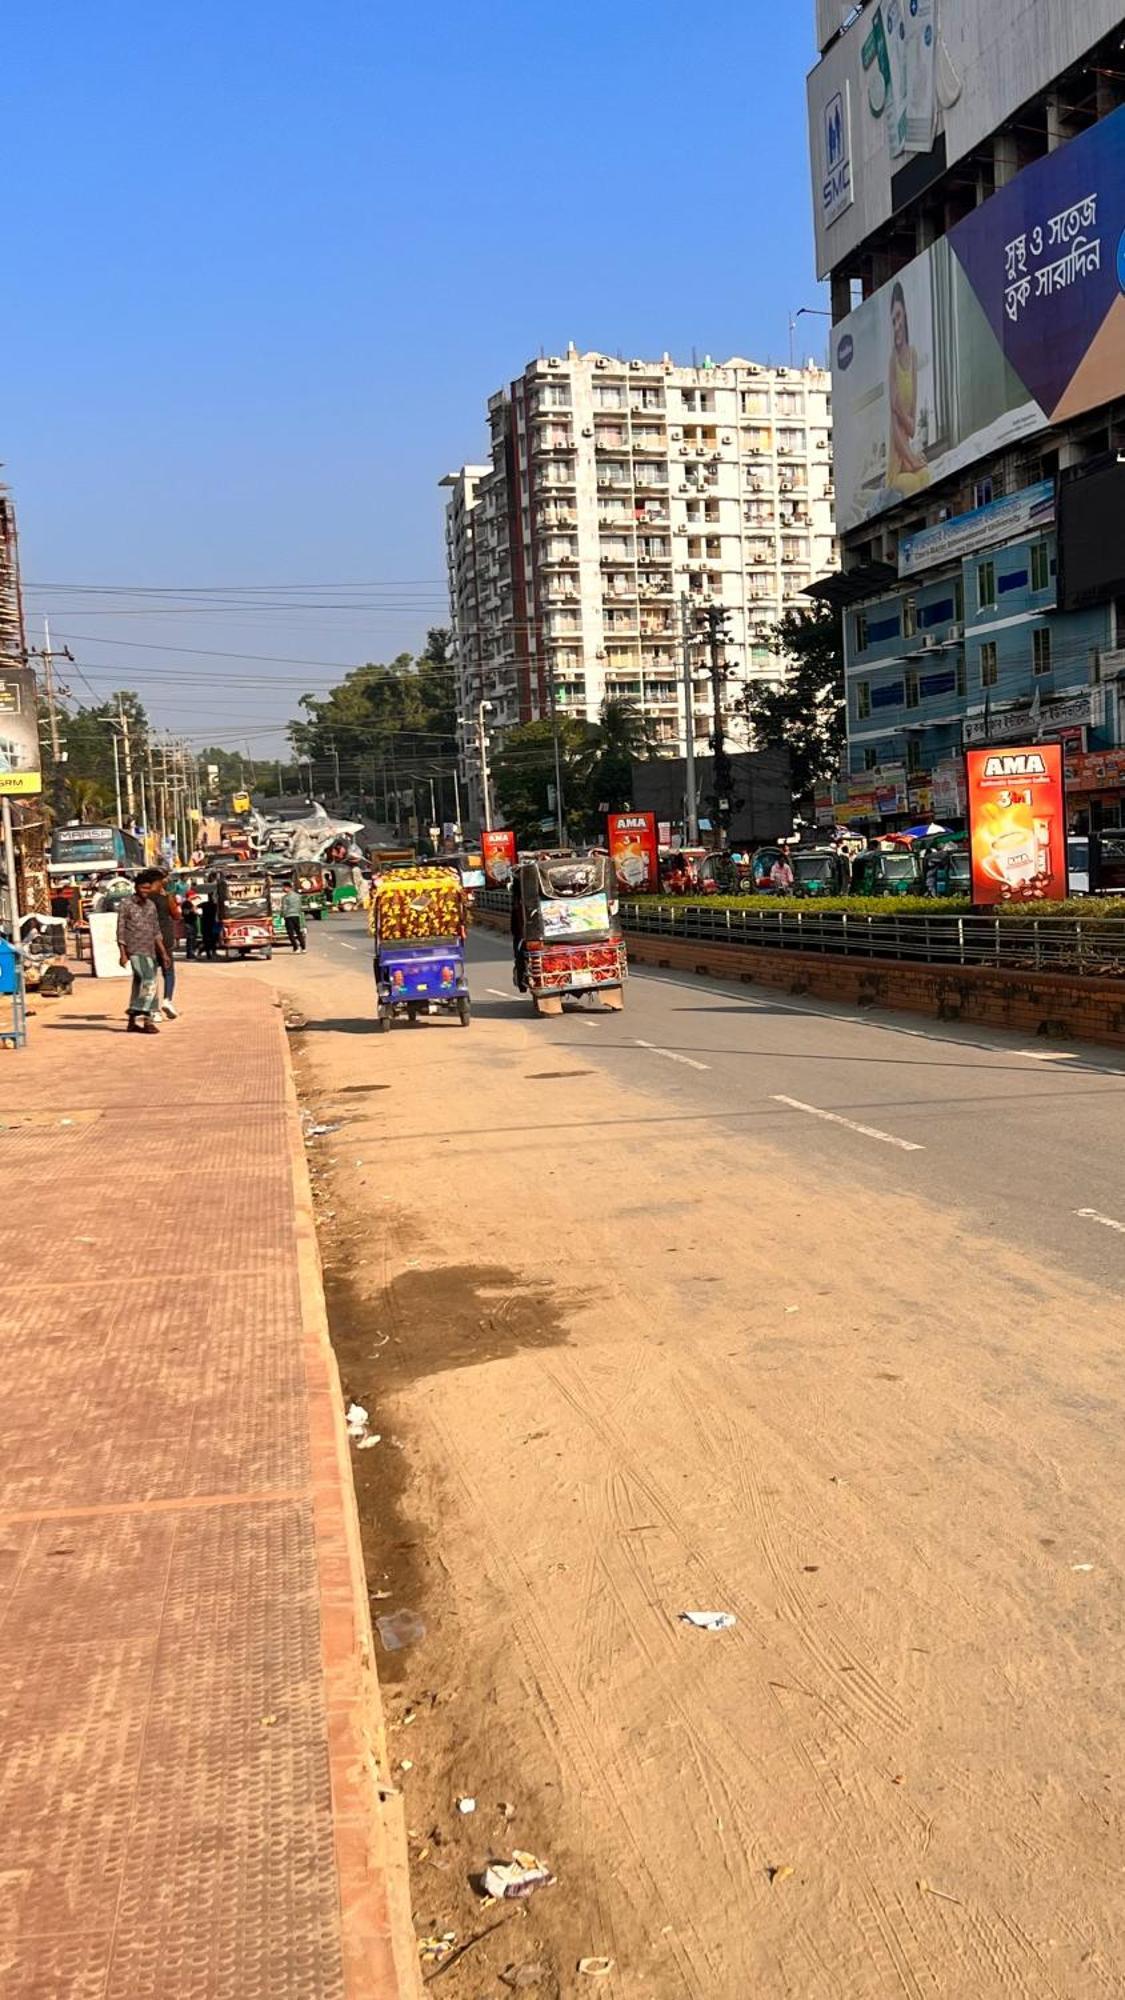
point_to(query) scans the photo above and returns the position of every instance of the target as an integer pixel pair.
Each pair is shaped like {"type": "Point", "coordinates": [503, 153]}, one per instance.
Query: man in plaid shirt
{"type": "Point", "coordinates": [142, 948]}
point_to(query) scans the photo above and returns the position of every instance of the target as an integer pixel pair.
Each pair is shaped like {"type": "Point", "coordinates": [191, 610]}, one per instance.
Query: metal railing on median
{"type": "Point", "coordinates": [1013, 944]}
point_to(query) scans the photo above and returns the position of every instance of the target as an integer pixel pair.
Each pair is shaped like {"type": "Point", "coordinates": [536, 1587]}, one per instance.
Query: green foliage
{"type": "Point", "coordinates": [523, 774]}
{"type": "Point", "coordinates": [83, 783]}
{"type": "Point", "coordinates": [597, 775]}
{"type": "Point", "coordinates": [405, 708]}
{"type": "Point", "coordinates": [1092, 911]}
{"type": "Point", "coordinates": [806, 715]}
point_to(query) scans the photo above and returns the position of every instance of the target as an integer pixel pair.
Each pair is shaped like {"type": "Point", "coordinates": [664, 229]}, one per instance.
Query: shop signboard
{"type": "Point", "coordinates": [1095, 771]}
{"type": "Point", "coordinates": [240, 802]}
{"type": "Point", "coordinates": [1024, 513]}
{"type": "Point", "coordinates": [1012, 322]}
{"type": "Point", "coordinates": [21, 773]}
{"type": "Point", "coordinates": [1017, 823]}
{"type": "Point", "coordinates": [949, 788]}
{"type": "Point", "coordinates": [1056, 718]}
{"type": "Point", "coordinates": [498, 852]}
{"type": "Point", "coordinates": [633, 850]}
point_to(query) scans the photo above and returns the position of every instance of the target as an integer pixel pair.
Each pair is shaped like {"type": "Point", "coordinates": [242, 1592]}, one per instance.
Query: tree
{"type": "Point", "coordinates": [404, 711]}
{"type": "Point", "coordinates": [87, 735]}
{"type": "Point", "coordinates": [806, 713]}
{"type": "Point", "coordinates": [524, 775]}
{"type": "Point", "coordinates": [625, 736]}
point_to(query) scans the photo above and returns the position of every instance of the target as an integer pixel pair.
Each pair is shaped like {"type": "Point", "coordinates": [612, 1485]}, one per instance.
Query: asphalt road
{"type": "Point", "coordinates": [735, 1303]}
{"type": "Point", "coordinates": [1022, 1141]}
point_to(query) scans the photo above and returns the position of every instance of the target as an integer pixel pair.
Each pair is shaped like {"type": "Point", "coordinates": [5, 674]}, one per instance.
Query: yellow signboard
{"type": "Point", "coordinates": [240, 802]}
{"type": "Point", "coordinates": [20, 774]}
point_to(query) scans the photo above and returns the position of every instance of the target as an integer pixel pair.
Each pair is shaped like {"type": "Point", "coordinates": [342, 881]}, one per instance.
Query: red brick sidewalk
{"type": "Point", "coordinates": [190, 1799]}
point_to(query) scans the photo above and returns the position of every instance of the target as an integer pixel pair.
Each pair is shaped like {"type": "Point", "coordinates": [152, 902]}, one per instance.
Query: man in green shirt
{"type": "Point", "coordinates": [292, 911]}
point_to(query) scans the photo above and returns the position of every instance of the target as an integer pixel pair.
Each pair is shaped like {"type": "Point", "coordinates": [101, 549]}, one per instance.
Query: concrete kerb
{"type": "Point", "coordinates": [378, 1941]}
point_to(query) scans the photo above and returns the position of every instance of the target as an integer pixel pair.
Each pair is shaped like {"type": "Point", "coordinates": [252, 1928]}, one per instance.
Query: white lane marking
{"type": "Point", "coordinates": [591, 1024]}
{"type": "Point", "coordinates": [867, 1131]}
{"type": "Point", "coordinates": [496, 992]}
{"type": "Point", "coordinates": [786, 1003]}
{"type": "Point", "coordinates": [345, 946]}
{"type": "Point", "coordinates": [670, 1055]}
{"type": "Point", "coordinates": [1107, 1221]}
{"type": "Point", "coordinates": [1047, 1055]}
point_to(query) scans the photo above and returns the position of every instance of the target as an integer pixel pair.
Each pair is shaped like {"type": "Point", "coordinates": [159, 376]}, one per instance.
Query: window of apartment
{"type": "Point", "coordinates": [871, 758]}
{"type": "Point", "coordinates": [989, 669]}
{"type": "Point", "coordinates": [909, 617]}
{"type": "Point", "coordinates": [790, 440]}
{"type": "Point", "coordinates": [1041, 649]}
{"type": "Point", "coordinates": [1040, 566]}
{"type": "Point", "coordinates": [788, 403]}
{"type": "Point", "coordinates": [861, 631]}
{"type": "Point", "coordinates": [962, 684]}
{"type": "Point", "coordinates": [913, 753]}
{"type": "Point", "coordinates": [862, 700]}
{"type": "Point", "coordinates": [986, 587]}
{"type": "Point", "coordinates": [910, 696]}
{"type": "Point", "coordinates": [983, 492]}
{"type": "Point", "coordinates": [608, 399]}
{"type": "Point", "coordinates": [754, 403]}
{"type": "Point", "coordinates": [687, 397]}
{"type": "Point", "coordinates": [959, 599]}
{"type": "Point", "coordinates": [695, 547]}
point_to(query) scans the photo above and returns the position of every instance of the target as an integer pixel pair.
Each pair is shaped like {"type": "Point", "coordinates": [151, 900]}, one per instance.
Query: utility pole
{"type": "Point", "coordinates": [717, 635]}
{"type": "Point", "coordinates": [48, 657]}
{"type": "Point", "coordinates": [485, 775]}
{"type": "Point", "coordinates": [116, 774]}
{"type": "Point", "coordinates": [130, 799]}
{"type": "Point", "coordinates": [691, 814]}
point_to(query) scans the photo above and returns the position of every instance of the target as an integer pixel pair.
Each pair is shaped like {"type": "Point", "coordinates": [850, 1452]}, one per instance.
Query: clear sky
{"type": "Point", "coordinates": [266, 264]}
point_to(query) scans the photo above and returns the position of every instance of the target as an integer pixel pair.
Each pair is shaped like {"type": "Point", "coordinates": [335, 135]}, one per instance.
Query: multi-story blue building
{"type": "Point", "coordinates": [971, 218]}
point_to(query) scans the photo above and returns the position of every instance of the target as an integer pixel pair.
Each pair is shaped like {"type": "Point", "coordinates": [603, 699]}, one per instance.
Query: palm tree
{"type": "Point", "coordinates": [88, 800]}
{"type": "Point", "coordinates": [625, 736]}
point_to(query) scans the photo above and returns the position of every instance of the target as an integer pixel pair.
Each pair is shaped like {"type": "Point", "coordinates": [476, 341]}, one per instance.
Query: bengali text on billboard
{"type": "Point", "coordinates": [1013, 321]}
{"type": "Point", "coordinates": [1017, 823]}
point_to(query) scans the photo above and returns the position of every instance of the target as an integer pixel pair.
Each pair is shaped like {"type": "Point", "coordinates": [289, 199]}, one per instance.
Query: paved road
{"type": "Point", "coordinates": [1023, 1141]}
{"type": "Point", "coordinates": [733, 1302]}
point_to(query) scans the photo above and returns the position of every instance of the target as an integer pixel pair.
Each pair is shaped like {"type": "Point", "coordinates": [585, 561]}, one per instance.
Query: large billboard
{"type": "Point", "coordinates": [927, 82]}
{"type": "Point", "coordinates": [20, 766]}
{"type": "Point", "coordinates": [498, 849]}
{"type": "Point", "coordinates": [1014, 321]}
{"type": "Point", "coordinates": [1017, 823]}
{"type": "Point", "coordinates": [1091, 545]}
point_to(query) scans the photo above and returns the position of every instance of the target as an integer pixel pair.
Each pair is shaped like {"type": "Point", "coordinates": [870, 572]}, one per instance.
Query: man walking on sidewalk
{"type": "Point", "coordinates": [142, 948]}
{"type": "Point", "coordinates": [167, 911]}
{"type": "Point", "coordinates": [292, 910]}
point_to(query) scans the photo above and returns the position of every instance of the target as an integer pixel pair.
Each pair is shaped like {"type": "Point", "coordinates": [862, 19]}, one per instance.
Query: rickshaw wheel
{"type": "Point", "coordinates": [464, 1011]}
{"type": "Point", "coordinates": [412, 1013]}
{"type": "Point", "coordinates": [383, 1023]}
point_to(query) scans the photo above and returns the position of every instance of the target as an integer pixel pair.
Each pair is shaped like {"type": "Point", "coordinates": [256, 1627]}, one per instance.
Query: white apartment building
{"type": "Point", "coordinates": [624, 497]}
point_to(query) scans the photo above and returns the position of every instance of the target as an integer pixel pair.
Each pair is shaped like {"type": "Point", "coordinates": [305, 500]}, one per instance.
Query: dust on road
{"type": "Point", "coordinates": [627, 1365]}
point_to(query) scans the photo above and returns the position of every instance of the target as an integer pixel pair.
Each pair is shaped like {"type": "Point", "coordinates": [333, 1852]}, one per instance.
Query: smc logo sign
{"type": "Point", "coordinates": [836, 188]}
{"type": "Point", "coordinates": [845, 353]}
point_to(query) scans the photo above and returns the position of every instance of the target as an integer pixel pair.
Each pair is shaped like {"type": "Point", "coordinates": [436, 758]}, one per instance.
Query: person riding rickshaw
{"type": "Point", "coordinates": [566, 932]}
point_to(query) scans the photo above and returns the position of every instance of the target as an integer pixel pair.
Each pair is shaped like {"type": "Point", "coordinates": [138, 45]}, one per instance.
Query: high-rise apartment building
{"type": "Point", "coordinates": [619, 492]}
{"type": "Point", "coordinates": [968, 178]}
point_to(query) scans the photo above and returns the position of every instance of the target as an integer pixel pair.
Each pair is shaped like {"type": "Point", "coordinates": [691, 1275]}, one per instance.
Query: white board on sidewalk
{"type": "Point", "coordinates": [103, 946]}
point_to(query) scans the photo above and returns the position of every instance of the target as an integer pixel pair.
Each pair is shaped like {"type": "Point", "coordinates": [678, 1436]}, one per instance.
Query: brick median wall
{"type": "Point", "coordinates": [1036, 1003]}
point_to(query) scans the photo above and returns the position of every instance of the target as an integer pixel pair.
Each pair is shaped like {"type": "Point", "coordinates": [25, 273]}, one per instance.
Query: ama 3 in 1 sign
{"type": "Point", "coordinates": [1017, 823]}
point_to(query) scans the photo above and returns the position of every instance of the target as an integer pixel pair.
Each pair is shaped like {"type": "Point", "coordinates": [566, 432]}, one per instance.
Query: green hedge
{"type": "Point", "coordinates": [1092, 910]}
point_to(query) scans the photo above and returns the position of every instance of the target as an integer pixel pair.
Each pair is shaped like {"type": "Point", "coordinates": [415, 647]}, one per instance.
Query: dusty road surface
{"type": "Point", "coordinates": [728, 1303]}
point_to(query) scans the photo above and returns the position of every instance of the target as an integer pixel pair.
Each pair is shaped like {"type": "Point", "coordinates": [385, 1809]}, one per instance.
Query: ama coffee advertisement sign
{"type": "Point", "coordinates": [634, 852]}
{"type": "Point", "coordinates": [1017, 823]}
{"type": "Point", "coordinates": [498, 853]}
{"type": "Point", "coordinates": [1013, 321]}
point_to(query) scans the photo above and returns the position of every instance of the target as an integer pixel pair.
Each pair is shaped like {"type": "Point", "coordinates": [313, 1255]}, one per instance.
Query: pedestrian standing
{"type": "Point", "coordinates": [141, 948]}
{"type": "Point", "coordinates": [209, 923]}
{"type": "Point", "coordinates": [293, 913]}
{"type": "Point", "coordinates": [167, 911]}
{"type": "Point", "coordinates": [191, 924]}
{"type": "Point", "coordinates": [781, 876]}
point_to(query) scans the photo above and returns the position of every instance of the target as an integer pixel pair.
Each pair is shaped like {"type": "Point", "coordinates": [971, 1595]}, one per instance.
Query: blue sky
{"type": "Point", "coordinates": [270, 261]}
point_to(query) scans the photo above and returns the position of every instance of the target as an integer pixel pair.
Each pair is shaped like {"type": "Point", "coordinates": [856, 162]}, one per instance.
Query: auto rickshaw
{"type": "Point", "coordinates": [418, 920]}
{"type": "Point", "coordinates": [820, 871]}
{"type": "Point", "coordinates": [309, 879]}
{"type": "Point", "coordinates": [890, 870]}
{"type": "Point", "coordinates": [566, 930]}
{"type": "Point", "coordinates": [244, 904]}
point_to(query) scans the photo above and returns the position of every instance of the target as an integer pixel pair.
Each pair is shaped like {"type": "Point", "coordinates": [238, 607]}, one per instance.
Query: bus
{"type": "Point", "coordinates": [80, 852]}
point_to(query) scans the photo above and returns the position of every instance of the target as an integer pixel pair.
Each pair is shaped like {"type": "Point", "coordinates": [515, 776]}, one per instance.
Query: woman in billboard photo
{"type": "Point", "coordinates": [907, 471]}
